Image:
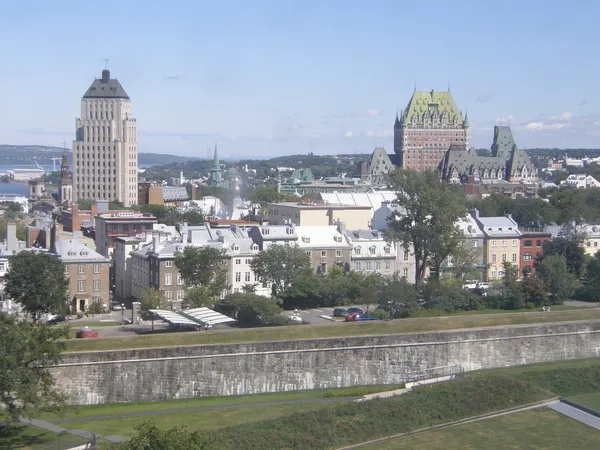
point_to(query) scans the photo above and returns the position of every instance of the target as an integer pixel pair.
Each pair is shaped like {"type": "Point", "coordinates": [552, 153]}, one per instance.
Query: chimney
{"type": "Point", "coordinates": [341, 226]}
{"type": "Point", "coordinates": [53, 237]}
{"type": "Point", "coordinates": [155, 240]}
{"type": "Point", "coordinates": [105, 76]}
{"type": "Point", "coordinates": [193, 191]}
{"type": "Point", "coordinates": [234, 228]}
{"type": "Point", "coordinates": [11, 236]}
{"type": "Point", "coordinates": [94, 209]}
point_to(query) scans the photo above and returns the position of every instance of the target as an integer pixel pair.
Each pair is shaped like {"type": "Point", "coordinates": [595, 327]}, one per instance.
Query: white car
{"type": "Point", "coordinates": [296, 318]}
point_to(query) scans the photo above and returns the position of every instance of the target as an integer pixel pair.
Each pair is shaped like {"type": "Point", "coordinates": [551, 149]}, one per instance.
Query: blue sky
{"type": "Point", "coordinates": [277, 77]}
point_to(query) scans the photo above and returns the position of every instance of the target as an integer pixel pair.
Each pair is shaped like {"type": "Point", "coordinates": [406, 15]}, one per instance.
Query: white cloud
{"type": "Point", "coordinates": [563, 117]}
{"type": "Point", "coordinates": [369, 134]}
{"type": "Point", "coordinates": [348, 134]}
{"type": "Point", "coordinates": [386, 133]}
{"type": "Point", "coordinates": [541, 126]}
{"type": "Point", "coordinates": [506, 119]}
{"type": "Point", "coordinates": [373, 113]}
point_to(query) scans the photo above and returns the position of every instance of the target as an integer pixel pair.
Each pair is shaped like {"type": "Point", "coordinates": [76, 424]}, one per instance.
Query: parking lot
{"type": "Point", "coordinates": [314, 316]}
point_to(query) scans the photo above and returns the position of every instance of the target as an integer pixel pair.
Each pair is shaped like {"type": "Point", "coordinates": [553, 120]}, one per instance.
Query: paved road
{"type": "Point", "coordinates": [577, 414]}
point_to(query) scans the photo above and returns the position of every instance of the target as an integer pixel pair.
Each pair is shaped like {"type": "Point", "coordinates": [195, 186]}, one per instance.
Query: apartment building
{"type": "Point", "coordinates": [267, 235]}
{"type": "Point", "coordinates": [474, 248]}
{"type": "Point", "coordinates": [109, 226]}
{"type": "Point", "coordinates": [325, 246]}
{"type": "Point", "coordinates": [533, 236]}
{"type": "Point", "coordinates": [502, 243]}
{"type": "Point", "coordinates": [371, 253]}
{"type": "Point", "coordinates": [354, 216]}
{"type": "Point", "coordinates": [88, 274]}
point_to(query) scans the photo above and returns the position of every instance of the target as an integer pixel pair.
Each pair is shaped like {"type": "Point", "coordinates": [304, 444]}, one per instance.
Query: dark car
{"type": "Point", "coordinates": [340, 312]}
{"type": "Point", "coordinates": [58, 319]}
{"type": "Point", "coordinates": [355, 311]}
{"type": "Point", "coordinates": [360, 317]}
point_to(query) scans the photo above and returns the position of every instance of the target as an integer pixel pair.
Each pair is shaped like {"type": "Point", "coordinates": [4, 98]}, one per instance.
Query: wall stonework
{"type": "Point", "coordinates": [251, 368]}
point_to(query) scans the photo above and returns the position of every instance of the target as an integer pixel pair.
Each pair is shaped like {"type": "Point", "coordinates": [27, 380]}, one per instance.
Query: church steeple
{"type": "Point", "coordinates": [216, 163]}
{"type": "Point", "coordinates": [466, 120]}
{"type": "Point", "coordinates": [216, 178]}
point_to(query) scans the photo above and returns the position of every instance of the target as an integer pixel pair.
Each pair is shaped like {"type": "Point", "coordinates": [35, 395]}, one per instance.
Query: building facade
{"type": "Point", "coordinates": [108, 227]}
{"type": "Point", "coordinates": [105, 154]}
{"type": "Point", "coordinates": [65, 185]}
{"type": "Point", "coordinates": [533, 236]}
{"type": "Point", "coordinates": [502, 243]}
{"type": "Point", "coordinates": [426, 129]}
{"type": "Point", "coordinates": [303, 214]}
{"type": "Point", "coordinates": [370, 252]}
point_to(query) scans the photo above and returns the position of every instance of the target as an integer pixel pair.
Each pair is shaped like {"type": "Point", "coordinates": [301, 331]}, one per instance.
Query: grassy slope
{"type": "Point", "coordinates": [528, 430]}
{"type": "Point", "coordinates": [30, 437]}
{"type": "Point", "coordinates": [330, 331]}
{"type": "Point", "coordinates": [591, 400]}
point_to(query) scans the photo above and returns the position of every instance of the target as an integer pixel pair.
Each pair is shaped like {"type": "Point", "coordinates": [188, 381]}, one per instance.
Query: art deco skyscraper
{"type": "Point", "coordinates": [105, 156]}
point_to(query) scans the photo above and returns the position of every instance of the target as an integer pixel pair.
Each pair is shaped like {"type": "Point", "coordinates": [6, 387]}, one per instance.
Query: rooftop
{"type": "Point", "coordinates": [106, 87]}
{"type": "Point", "coordinates": [318, 205]}
{"type": "Point", "coordinates": [74, 251]}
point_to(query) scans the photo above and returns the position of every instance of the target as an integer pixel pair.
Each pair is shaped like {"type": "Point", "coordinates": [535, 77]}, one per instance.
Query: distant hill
{"type": "Point", "coordinates": [15, 155]}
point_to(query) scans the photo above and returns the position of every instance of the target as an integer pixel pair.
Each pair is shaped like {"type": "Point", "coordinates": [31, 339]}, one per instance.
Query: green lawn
{"type": "Point", "coordinates": [535, 429]}
{"type": "Point", "coordinates": [589, 400]}
{"type": "Point", "coordinates": [29, 437]}
{"type": "Point", "coordinates": [199, 420]}
{"type": "Point", "coordinates": [203, 402]}
{"type": "Point", "coordinates": [331, 331]}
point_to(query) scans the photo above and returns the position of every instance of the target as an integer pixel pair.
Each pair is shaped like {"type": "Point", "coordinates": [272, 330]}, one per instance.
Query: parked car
{"type": "Point", "coordinates": [340, 312]}
{"type": "Point", "coordinates": [296, 318]}
{"type": "Point", "coordinates": [58, 319]}
{"type": "Point", "coordinates": [116, 307]}
{"type": "Point", "coordinates": [355, 311]}
{"type": "Point", "coordinates": [360, 317]}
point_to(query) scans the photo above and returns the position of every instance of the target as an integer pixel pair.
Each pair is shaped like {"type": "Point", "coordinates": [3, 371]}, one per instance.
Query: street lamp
{"type": "Point", "coordinates": [122, 313]}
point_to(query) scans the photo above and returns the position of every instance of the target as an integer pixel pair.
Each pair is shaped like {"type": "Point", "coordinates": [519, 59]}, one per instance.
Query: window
{"type": "Point", "coordinates": [238, 261]}
{"type": "Point", "coordinates": [538, 243]}
{"type": "Point", "coordinates": [527, 256]}
{"type": "Point", "coordinates": [387, 265]}
{"type": "Point", "coordinates": [66, 268]}
{"type": "Point", "coordinates": [514, 258]}
{"type": "Point", "coordinates": [179, 279]}
{"type": "Point", "coordinates": [168, 279]}
{"type": "Point", "coordinates": [81, 286]}
{"type": "Point", "coordinates": [377, 265]}
{"type": "Point", "coordinates": [255, 277]}
{"type": "Point", "coordinates": [500, 273]}
{"type": "Point", "coordinates": [338, 253]}
{"type": "Point", "coordinates": [81, 269]}
{"type": "Point", "coordinates": [405, 256]}
{"type": "Point", "coordinates": [357, 266]}
{"type": "Point", "coordinates": [528, 243]}
{"type": "Point", "coordinates": [503, 243]}
{"type": "Point", "coordinates": [387, 250]}
{"type": "Point", "coordinates": [168, 295]}
{"type": "Point", "coordinates": [493, 274]}
{"type": "Point", "coordinates": [96, 268]}
{"type": "Point", "coordinates": [168, 263]}
{"type": "Point", "coordinates": [514, 242]}
{"type": "Point", "coordinates": [247, 276]}
{"type": "Point", "coordinates": [96, 285]}
{"type": "Point", "coordinates": [180, 295]}
{"type": "Point", "coordinates": [323, 253]}
{"type": "Point", "coordinates": [238, 276]}
{"type": "Point", "coordinates": [504, 257]}
{"type": "Point", "coordinates": [494, 258]}
{"type": "Point", "coordinates": [357, 250]}
{"type": "Point", "coordinates": [372, 250]}
{"type": "Point", "coordinates": [368, 265]}
{"type": "Point", "coordinates": [474, 244]}
{"type": "Point", "coordinates": [308, 254]}
{"type": "Point", "coordinates": [493, 243]}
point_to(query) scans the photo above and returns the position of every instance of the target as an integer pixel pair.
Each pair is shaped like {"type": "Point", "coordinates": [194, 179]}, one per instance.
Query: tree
{"type": "Point", "coordinates": [553, 270]}
{"type": "Point", "coordinates": [426, 211]}
{"type": "Point", "coordinates": [12, 210]}
{"type": "Point", "coordinates": [280, 265]}
{"type": "Point", "coordinates": [26, 353]}
{"type": "Point", "coordinates": [151, 298]}
{"type": "Point", "coordinates": [304, 293]}
{"type": "Point", "coordinates": [535, 290]}
{"type": "Point", "coordinates": [464, 259]}
{"type": "Point", "coordinates": [252, 310]}
{"type": "Point", "coordinates": [197, 297]}
{"type": "Point", "coordinates": [510, 287]}
{"type": "Point", "coordinates": [591, 281]}
{"type": "Point", "coordinates": [85, 204]}
{"type": "Point", "coordinates": [397, 293]}
{"type": "Point", "coordinates": [38, 283]}
{"type": "Point", "coordinates": [568, 246]}
{"type": "Point", "coordinates": [149, 436]}
{"type": "Point", "coordinates": [203, 266]}
{"type": "Point", "coordinates": [370, 290]}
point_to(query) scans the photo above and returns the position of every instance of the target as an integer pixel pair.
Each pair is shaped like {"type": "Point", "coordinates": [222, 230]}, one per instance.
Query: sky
{"type": "Point", "coordinates": [278, 77]}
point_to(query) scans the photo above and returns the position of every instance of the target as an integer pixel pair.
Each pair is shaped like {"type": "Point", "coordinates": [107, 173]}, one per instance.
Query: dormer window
{"type": "Point", "coordinates": [236, 248]}
{"type": "Point", "coordinates": [306, 240]}
{"type": "Point", "coordinates": [337, 239]}
{"type": "Point", "coordinates": [265, 231]}
{"type": "Point", "coordinates": [387, 250]}
{"type": "Point", "coordinates": [290, 231]}
{"type": "Point", "coordinates": [372, 249]}
{"type": "Point", "coordinates": [254, 247]}
{"type": "Point", "coordinates": [357, 250]}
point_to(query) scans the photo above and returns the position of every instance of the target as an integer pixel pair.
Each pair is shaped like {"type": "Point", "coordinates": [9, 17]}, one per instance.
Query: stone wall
{"type": "Point", "coordinates": [251, 368]}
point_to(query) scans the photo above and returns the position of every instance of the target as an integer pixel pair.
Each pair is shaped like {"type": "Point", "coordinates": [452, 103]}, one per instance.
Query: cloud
{"type": "Point", "coordinates": [369, 134]}
{"type": "Point", "coordinates": [348, 134]}
{"type": "Point", "coordinates": [541, 126]}
{"type": "Point", "coordinates": [483, 98]}
{"type": "Point", "coordinates": [506, 119]}
{"type": "Point", "coordinates": [179, 77]}
{"type": "Point", "coordinates": [564, 117]}
{"type": "Point", "coordinates": [372, 113]}
{"type": "Point", "coordinates": [582, 103]}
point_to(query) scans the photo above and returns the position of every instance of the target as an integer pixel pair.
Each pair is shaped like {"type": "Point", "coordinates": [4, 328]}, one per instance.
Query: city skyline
{"type": "Point", "coordinates": [276, 79]}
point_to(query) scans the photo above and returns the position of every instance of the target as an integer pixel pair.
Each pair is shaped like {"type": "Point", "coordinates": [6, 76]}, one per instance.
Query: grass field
{"type": "Point", "coordinates": [131, 408]}
{"type": "Point", "coordinates": [29, 437]}
{"type": "Point", "coordinates": [331, 331]}
{"type": "Point", "coordinates": [590, 400]}
{"type": "Point", "coordinates": [528, 430]}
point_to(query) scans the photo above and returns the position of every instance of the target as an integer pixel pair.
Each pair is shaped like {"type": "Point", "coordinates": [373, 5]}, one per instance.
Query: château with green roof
{"type": "Point", "coordinates": [427, 127]}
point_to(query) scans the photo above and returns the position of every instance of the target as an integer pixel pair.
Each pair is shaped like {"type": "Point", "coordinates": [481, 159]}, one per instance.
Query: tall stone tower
{"type": "Point", "coordinates": [105, 155]}
{"type": "Point", "coordinates": [426, 129]}
{"type": "Point", "coordinates": [216, 177]}
{"type": "Point", "coordinates": [65, 186]}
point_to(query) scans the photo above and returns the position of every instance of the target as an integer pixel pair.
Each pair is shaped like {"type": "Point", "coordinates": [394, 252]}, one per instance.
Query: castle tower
{"type": "Point", "coordinates": [65, 186]}
{"type": "Point", "coordinates": [105, 154]}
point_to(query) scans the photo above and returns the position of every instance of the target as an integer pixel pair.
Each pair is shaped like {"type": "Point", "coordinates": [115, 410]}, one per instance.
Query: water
{"type": "Point", "coordinates": [10, 188]}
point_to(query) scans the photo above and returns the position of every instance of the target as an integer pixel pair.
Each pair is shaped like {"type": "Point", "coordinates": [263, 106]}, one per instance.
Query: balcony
{"type": "Point", "coordinates": [126, 233]}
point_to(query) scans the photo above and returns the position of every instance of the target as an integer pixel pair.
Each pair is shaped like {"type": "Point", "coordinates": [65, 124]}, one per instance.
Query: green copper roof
{"type": "Point", "coordinates": [105, 87]}
{"type": "Point", "coordinates": [432, 105]}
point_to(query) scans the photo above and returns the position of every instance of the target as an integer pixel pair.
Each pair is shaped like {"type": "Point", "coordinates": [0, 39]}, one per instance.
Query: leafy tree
{"type": "Point", "coordinates": [193, 217]}
{"type": "Point", "coordinates": [266, 194]}
{"type": "Point", "coordinates": [370, 290]}
{"type": "Point", "coordinates": [26, 353]}
{"type": "Point", "coordinates": [569, 247]}
{"type": "Point", "coordinates": [535, 290]}
{"type": "Point", "coordinates": [20, 229]}
{"type": "Point", "coordinates": [510, 287]}
{"type": "Point", "coordinates": [85, 204]}
{"type": "Point", "coordinates": [449, 296]}
{"type": "Point", "coordinates": [553, 270]}
{"type": "Point", "coordinates": [280, 265]}
{"type": "Point", "coordinates": [150, 436]}
{"type": "Point", "coordinates": [427, 210]}
{"type": "Point", "coordinates": [94, 308]}
{"type": "Point", "coordinates": [151, 298]}
{"type": "Point", "coordinates": [397, 294]}
{"type": "Point", "coordinates": [12, 210]}
{"type": "Point", "coordinates": [203, 266]}
{"type": "Point", "coordinates": [252, 310]}
{"type": "Point", "coordinates": [116, 205]}
{"type": "Point", "coordinates": [304, 292]}
{"type": "Point", "coordinates": [340, 287]}
{"type": "Point", "coordinates": [464, 259]}
{"type": "Point", "coordinates": [38, 283]}
{"type": "Point", "coordinates": [198, 297]}
{"type": "Point", "coordinates": [591, 281]}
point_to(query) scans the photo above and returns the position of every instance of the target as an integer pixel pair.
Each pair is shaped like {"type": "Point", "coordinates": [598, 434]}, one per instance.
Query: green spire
{"type": "Point", "coordinates": [216, 164]}
{"type": "Point", "coordinates": [216, 178]}
{"type": "Point", "coordinates": [466, 120]}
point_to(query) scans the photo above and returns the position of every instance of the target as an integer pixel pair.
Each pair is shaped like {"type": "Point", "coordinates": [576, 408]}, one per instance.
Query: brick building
{"type": "Point", "coordinates": [533, 236]}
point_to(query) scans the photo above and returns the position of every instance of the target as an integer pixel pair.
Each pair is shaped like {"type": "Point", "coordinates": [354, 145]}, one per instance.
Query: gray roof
{"type": "Point", "coordinates": [105, 87]}
{"type": "Point", "coordinates": [74, 251]}
{"type": "Point", "coordinates": [174, 193]}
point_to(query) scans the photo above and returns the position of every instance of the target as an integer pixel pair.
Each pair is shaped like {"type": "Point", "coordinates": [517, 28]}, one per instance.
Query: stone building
{"type": "Point", "coordinates": [375, 170]}
{"type": "Point", "coordinates": [507, 163]}
{"type": "Point", "coordinates": [370, 253]}
{"type": "Point", "coordinates": [325, 245]}
{"type": "Point", "coordinates": [430, 124]}
{"type": "Point", "coordinates": [318, 214]}
{"type": "Point", "coordinates": [65, 185]}
{"type": "Point", "coordinates": [109, 226]}
{"type": "Point", "coordinates": [88, 274]}
{"type": "Point", "coordinates": [105, 154]}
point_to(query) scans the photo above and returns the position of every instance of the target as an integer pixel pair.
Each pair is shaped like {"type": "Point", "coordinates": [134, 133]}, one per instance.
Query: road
{"type": "Point", "coordinates": [577, 414]}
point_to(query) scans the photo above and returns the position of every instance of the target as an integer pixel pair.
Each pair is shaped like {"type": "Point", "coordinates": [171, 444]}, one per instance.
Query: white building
{"type": "Point", "coordinates": [105, 154]}
{"type": "Point", "coordinates": [371, 253]}
{"type": "Point", "coordinates": [373, 200]}
{"type": "Point", "coordinates": [580, 181]}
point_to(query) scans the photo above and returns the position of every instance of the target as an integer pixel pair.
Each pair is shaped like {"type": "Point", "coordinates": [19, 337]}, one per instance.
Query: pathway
{"type": "Point", "coordinates": [45, 425]}
{"type": "Point", "coordinates": [577, 414]}
{"type": "Point", "coordinates": [206, 408]}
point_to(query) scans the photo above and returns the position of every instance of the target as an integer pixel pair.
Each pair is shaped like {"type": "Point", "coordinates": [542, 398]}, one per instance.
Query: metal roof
{"type": "Point", "coordinates": [173, 317]}
{"type": "Point", "coordinates": [208, 316]}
